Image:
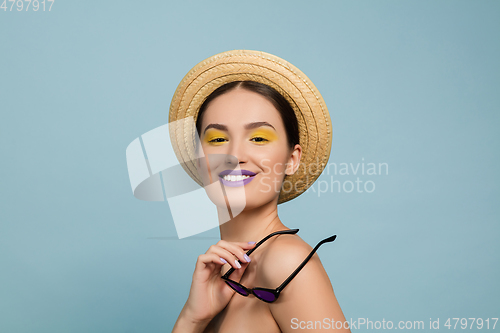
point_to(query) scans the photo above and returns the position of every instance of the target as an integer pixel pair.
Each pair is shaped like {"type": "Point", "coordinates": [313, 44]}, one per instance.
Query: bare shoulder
{"type": "Point", "coordinates": [283, 256]}
{"type": "Point", "coordinates": [309, 296]}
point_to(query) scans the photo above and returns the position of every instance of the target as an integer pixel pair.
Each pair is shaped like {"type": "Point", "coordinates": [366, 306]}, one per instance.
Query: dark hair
{"type": "Point", "coordinates": [280, 103]}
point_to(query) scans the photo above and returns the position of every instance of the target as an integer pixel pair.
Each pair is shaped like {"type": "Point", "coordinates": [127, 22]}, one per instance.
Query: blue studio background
{"type": "Point", "coordinates": [412, 84]}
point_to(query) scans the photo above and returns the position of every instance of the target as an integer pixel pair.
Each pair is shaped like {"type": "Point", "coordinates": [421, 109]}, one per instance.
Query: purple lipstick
{"type": "Point", "coordinates": [235, 178]}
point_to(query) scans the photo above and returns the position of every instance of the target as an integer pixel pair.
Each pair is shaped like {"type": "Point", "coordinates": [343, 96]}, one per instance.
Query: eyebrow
{"type": "Point", "coordinates": [247, 126]}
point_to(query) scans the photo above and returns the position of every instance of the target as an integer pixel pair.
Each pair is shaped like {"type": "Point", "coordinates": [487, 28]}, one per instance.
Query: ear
{"type": "Point", "coordinates": [294, 160]}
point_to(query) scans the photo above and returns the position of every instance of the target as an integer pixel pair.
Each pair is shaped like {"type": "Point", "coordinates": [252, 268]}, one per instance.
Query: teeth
{"type": "Point", "coordinates": [234, 178]}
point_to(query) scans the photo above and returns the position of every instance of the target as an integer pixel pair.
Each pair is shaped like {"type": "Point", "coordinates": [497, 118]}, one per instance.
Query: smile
{"type": "Point", "coordinates": [234, 178]}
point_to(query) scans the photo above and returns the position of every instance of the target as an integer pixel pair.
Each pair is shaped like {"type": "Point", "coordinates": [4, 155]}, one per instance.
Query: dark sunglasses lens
{"type": "Point", "coordinates": [237, 288]}
{"type": "Point", "coordinates": [264, 295]}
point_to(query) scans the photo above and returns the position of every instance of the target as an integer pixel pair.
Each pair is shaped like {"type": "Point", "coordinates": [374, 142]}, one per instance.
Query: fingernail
{"type": "Point", "coordinates": [247, 258]}
{"type": "Point", "coordinates": [251, 243]}
{"type": "Point", "coordinates": [223, 260]}
{"type": "Point", "coordinates": [237, 264]}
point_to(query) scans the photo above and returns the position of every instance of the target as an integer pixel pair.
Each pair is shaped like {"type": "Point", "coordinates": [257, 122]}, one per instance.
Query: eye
{"type": "Point", "coordinates": [258, 139]}
{"type": "Point", "coordinates": [217, 140]}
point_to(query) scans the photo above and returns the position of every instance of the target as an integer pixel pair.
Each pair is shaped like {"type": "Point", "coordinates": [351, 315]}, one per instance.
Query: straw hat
{"type": "Point", "coordinates": [315, 129]}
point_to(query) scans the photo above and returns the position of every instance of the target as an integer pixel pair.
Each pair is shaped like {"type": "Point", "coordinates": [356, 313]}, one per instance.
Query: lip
{"type": "Point", "coordinates": [241, 172]}
{"type": "Point", "coordinates": [236, 173]}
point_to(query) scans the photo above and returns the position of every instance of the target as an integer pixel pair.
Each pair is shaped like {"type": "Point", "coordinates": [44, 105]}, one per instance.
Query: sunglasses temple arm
{"type": "Point", "coordinates": [291, 231]}
{"type": "Point", "coordinates": [287, 281]}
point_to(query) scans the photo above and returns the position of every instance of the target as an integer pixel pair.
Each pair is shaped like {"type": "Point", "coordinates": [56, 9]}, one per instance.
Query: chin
{"type": "Point", "coordinates": [260, 199]}
{"type": "Point", "coordinates": [240, 201]}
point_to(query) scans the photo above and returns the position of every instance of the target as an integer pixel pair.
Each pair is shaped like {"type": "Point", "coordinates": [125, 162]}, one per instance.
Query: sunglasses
{"type": "Point", "coordinates": [266, 294]}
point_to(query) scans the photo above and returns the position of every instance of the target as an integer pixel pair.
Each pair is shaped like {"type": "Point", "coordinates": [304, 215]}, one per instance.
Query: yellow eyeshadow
{"type": "Point", "coordinates": [265, 133]}
{"type": "Point", "coordinates": [213, 134]}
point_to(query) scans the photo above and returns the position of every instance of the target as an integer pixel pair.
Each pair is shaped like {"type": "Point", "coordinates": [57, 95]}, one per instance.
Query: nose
{"type": "Point", "coordinates": [236, 154]}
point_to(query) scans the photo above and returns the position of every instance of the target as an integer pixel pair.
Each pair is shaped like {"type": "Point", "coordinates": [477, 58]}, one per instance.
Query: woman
{"type": "Point", "coordinates": [262, 118]}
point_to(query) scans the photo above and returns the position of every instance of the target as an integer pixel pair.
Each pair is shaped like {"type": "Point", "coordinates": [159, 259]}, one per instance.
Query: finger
{"type": "Point", "coordinates": [235, 249]}
{"type": "Point", "coordinates": [246, 245]}
{"type": "Point", "coordinates": [225, 256]}
{"type": "Point", "coordinates": [208, 258]}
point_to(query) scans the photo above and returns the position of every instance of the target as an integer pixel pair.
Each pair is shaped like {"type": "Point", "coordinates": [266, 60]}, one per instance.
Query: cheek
{"type": "Point", "coordinates": [272, 163]}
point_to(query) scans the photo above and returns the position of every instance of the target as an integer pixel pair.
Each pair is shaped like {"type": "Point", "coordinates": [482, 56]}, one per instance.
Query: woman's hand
{"type": "Point", "coordinates": [209, 294]}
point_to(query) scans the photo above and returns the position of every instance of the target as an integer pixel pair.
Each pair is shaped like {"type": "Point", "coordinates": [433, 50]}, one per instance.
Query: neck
{"type": "Point", "coordinates": [253, 224]}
